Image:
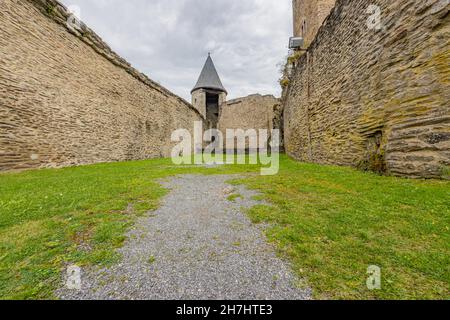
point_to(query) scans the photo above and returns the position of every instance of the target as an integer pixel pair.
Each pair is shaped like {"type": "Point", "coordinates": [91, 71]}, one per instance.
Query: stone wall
{"type": "Point", "coordinates": [253, 112]}
{"type": "Point", "coordinates": [67, 99]}
{"type": "Point", "coordinates": [377, 99]}
{"type": "Point", "coordinates": [199, 102]}
{"type": "Point", "coordinates": [308, 17]}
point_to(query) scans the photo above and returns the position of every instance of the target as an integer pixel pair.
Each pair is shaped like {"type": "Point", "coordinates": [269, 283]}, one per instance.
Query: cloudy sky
{"type": "Point", "coordinates": [169, 40]}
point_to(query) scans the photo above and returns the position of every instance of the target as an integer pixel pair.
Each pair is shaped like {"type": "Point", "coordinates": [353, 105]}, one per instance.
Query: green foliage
{"type": "Point", "coordinates": [375, 163]}
{"type": "Point", "coordinates": [288, 65]}
{"type": "Point", "coordinates": [294, 57]}
{"type": "Point", "coordinates": [284, 82]}
{"type": "Point", "coordinates": [446, 172]}
{"type": "Point", "coordinates": [234, 197]}
{"type": "Point", "coordinates": [50, 9]}
{"type": "Point", "coordinates": [151, 260]}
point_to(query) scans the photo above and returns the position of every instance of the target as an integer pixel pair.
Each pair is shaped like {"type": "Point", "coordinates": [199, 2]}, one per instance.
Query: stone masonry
{"type": "Point", "coordinates": [363, 96]}
{"type": "Point", "coordinates": [376, 98]}
{"type": "Point", "coordinates": [253, 112]}
{"type": "Point", "coordinates": [67, 99]}
{"type": "Point", "coordinates": [309, 16]}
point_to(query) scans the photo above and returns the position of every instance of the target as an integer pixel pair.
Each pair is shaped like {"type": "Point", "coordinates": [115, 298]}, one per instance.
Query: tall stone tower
{"type": "Point", "coordinates": [309, 16]}
{"type": "Point", "coordinates": [209, 93]}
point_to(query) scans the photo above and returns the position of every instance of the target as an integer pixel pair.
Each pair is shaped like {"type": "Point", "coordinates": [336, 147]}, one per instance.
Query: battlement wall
{"type": "Point", "coordinates": [67, 99]}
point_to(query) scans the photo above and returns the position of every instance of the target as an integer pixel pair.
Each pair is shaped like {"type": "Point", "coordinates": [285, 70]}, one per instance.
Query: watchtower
{"type": "Point", "coordinates": [209, 93]}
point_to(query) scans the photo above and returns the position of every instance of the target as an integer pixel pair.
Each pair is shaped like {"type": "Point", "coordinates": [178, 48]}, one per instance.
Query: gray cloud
{"type": "Point", "coordinates": [169, 40]}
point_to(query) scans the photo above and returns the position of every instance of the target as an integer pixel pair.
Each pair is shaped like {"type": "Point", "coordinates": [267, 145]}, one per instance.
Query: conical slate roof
{"type": "Point", "coordinates": [209, 79]}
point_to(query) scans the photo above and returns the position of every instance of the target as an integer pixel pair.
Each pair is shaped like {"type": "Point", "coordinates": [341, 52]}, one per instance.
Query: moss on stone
{"type": "Point", "coordinates": [445, 172]}
{"type": "Point", "coordinates": [50, 9]}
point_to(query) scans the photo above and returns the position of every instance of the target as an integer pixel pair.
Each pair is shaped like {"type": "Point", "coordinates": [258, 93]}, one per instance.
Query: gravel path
{"type": "Point", "coordinates": [197, 245]}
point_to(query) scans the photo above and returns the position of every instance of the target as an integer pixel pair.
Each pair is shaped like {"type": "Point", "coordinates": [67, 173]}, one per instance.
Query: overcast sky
{"type": "Point", "coordinates": [169, 40]}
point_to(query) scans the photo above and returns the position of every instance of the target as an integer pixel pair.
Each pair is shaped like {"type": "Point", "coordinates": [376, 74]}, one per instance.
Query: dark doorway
{"type": "Point", "coordinates": [212, 108]}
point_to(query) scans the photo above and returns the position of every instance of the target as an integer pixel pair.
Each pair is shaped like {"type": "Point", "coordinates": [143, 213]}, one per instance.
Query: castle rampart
{"type": "Point", "coordinates": [375, 96]}
{"type": "Point", "coordinates": [67, 99]}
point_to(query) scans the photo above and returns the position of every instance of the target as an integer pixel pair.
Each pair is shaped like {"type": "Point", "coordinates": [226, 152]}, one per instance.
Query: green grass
{"type": "Point", "coordinates": [53, 218]}
{"type": "Point", "coordinates": [331, 222]}
{"type": "Point", "coordinates": [151, 260]}
{"type": "Point", "coordinates": [334, 222]}
{"type": "Point", "coordinates": [233, 197]}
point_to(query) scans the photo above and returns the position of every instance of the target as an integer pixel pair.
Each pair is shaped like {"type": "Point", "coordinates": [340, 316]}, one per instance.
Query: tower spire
{"type": "Point", "coordinates": [209, 78]}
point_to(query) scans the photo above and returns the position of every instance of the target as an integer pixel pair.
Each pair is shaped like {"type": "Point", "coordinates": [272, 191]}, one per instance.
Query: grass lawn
{"type": "Point", "coordinates": [331, 222]}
